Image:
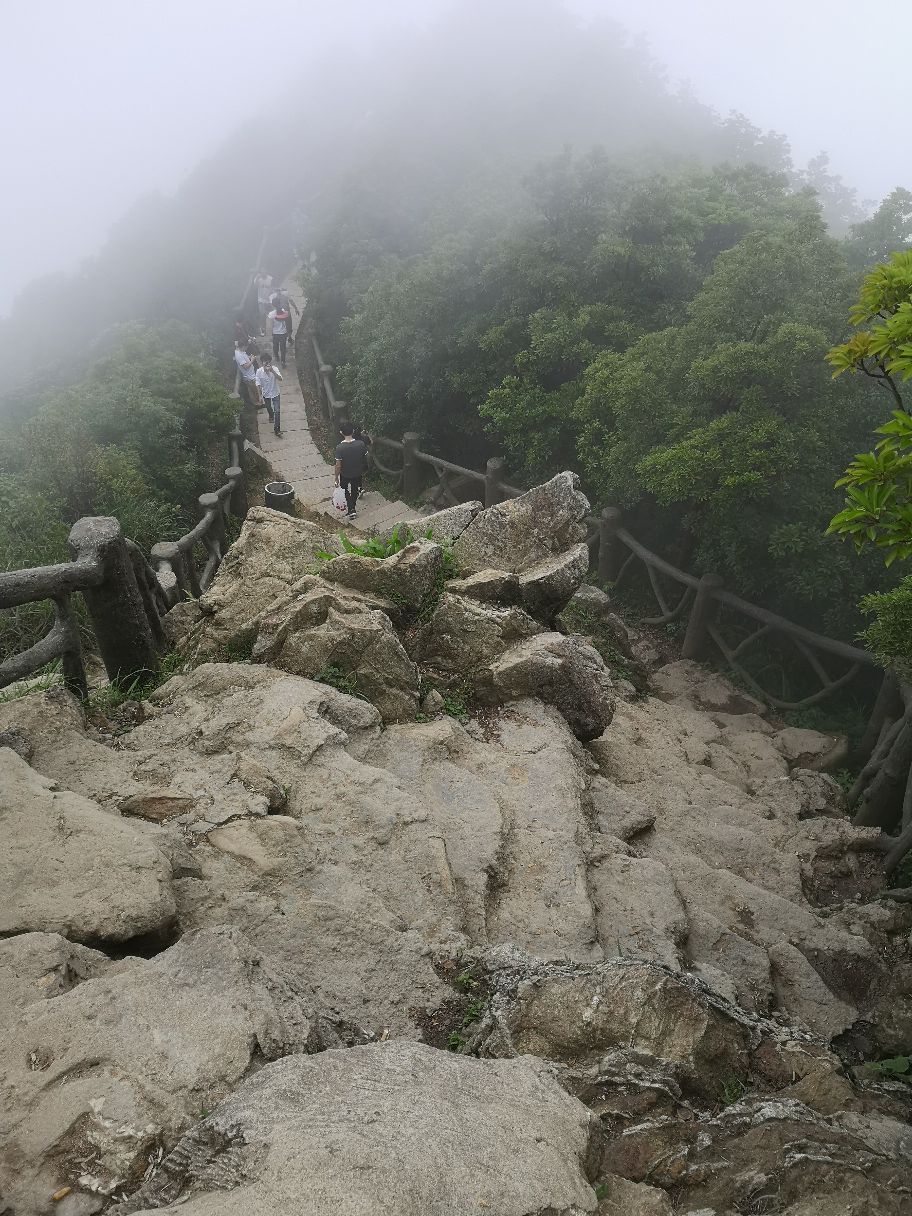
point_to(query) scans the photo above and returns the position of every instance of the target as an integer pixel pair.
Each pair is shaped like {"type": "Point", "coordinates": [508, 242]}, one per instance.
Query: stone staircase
{"type": "Point", "coordinates": [295, 457]}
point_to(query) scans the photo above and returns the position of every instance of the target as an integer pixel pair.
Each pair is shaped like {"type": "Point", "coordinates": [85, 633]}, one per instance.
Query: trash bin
{"type": "Point", "coordinates": [280, 495]}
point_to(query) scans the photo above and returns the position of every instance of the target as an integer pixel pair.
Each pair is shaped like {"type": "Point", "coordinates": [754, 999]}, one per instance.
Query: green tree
{"type": "Point", "coordinates": [727, 426]}
{"type": "Point", "coordinates": [878, 484]}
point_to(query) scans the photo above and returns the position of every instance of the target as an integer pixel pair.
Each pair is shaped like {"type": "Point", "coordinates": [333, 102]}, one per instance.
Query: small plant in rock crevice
{"type": "Point", "coordinates": [733, 1090]}
{"type": "Point", "coordinates": [48, 677]}
{"type": "Point", "coordinates": [896, 1068]}
{"type": "Point", "coordinates": [342, 681]}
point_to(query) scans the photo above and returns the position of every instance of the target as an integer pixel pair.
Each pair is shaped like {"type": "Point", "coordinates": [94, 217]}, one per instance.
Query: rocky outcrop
{"type": "Point", "coordinates": [365, 1130]}
{"type": "Point", "coordinates": [69, 867]}
{"type": "Point", "coordinates": [324, 631]}
{"type": "Point", "coordinates": [538, 537]}
{"type": "Point", "coordinates": [442, 527]}
{"type": "Point", "coordinates": [96, 1076]}
{"type": "Point", "coordinates": [230, 924]}
{"type": "Point", "coordinates": [463, 636]}
{"type": "Point", "coordinates": [408, 579]}
{"type": "Point", "coordinates": [272, 553]}
{"type": "Point", "coordinates": [561, 671]}
{"type": "Point", "coordinates": [521, 532]}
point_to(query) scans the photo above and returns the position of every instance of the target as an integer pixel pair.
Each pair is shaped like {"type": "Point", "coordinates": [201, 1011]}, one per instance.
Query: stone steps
{"type": "Point", "coordinates": [295, 457]}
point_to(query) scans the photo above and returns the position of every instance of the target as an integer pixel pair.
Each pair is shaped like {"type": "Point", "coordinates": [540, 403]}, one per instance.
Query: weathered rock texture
{"type": "Point", "coordinates": [538, 537]}
{"type": "Point", "coordinates": [396, 1128]}
{"type": "Point", "coordinates": [95, 1076]}
{"type": "Point", "coordinates": [675, 919]}
{"type": "Point", "coordinates": [69, 867]}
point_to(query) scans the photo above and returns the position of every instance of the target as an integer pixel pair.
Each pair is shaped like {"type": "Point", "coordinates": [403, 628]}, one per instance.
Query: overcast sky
{"type": "Point", "coordinates": [104, 100]}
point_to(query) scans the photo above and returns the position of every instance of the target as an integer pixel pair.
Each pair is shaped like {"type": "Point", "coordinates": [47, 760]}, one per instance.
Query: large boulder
{"type": "Point", "coordinates": [524, 531]}
{"type": "Point", "coordinates": [489, 586]}
{"type": "Point", "coordinates": [69, 867]}
{"type": "Point", "coordinates": [809, 749]}
{"type": "Point", "coordinates": [442, 527]}
{"type": "Point", "coordinates": [464, 635]}
{"type": "Point", "coordinates": [537, 537]}
{"type": "Point", "coordinates": [52, 735]}
{"type": "Point", "coordinates": [565, 672]}
{"type": "Point", "coordinates": [548, 586]}
{"type": "Point", "coordinates": [39, 966]}
{"type": "Point", "coordinates": [575, 1014]}
{"type": "Point", "coordinates": [272, 553]}
{"type": "Point", "coordinates": [325, 633]}
{"type": "Point", "coordinates": [693, 686]}
{"type": "Point", "coordinates": [395, 1129]}
{"type": "Point", "coordinates": [95, 1078]}
{"type": "Point", "coordinates": [408, 579]}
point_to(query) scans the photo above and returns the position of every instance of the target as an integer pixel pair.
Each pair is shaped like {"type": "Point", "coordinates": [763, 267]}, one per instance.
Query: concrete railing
{"type": "Point", "coordinates": [701, 603]}
{"type": "Point", "coordinates": [126, 594]}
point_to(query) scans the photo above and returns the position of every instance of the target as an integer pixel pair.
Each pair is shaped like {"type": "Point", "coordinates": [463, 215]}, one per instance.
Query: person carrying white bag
{"type": "Point", "coordinates": [351, 459]}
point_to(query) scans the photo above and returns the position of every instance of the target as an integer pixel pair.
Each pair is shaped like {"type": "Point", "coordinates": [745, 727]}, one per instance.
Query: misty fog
{"type": "Point", "coordinates": [106, 103]}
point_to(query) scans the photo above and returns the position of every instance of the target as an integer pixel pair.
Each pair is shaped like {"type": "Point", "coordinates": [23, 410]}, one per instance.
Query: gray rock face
{"type": "Point", "coordinates": [407, 579]}
{"type": "Point", "coordinates": [744, 846]}
{"type": "Point", "coordinates": [444, 526]}
{"type": "Point", "coordinates": [562, 671]}
{"type": "Point", "coordinates": [365, 1132]}
{"type": "Point", "coordinates": [687, 683]}
{"type": "Point", "coordinates": [809, 749]}
{"type": "Point", "coordinates": [495, 586]}
{"type": "Point", "coordinates": [524, 531]}
{"type": "Point", "coordinates": [69, 867]}
{"type": "Point", "coordinates": [324, 629]}
{"type": "Point", "coordinates": [464, 635]}
{"type": "Point", "coordinates": [576, 1014]}
{"type": "Point", "coordinates": [548, 586]}
{"type": "Point", "coordinates": [272, 553]}
{"type": "Point", "coordinates": [97, 1074]}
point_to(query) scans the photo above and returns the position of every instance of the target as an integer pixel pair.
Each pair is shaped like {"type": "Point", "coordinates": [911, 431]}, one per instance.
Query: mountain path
{"type": "Point", "coordinates": [295, 457]}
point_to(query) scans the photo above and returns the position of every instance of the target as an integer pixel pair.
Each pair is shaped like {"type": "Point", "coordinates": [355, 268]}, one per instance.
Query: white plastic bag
{"type": "Point", "coordinates": [339, 501]}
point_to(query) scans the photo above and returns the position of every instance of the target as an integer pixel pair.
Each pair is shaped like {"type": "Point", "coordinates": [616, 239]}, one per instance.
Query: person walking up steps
{"type": "Point", "coordinates": [282, 299]}
{"type": "Point", "coordinates": [248, 385]}
{"type": "Point", "coordinates": [263, 284]}
{"type": "Point", "coordinates": [351, 456]}
{"type": "Point", "coordinates": [279, 318]}
{"type": "Point", "coordinates": [267, 379]}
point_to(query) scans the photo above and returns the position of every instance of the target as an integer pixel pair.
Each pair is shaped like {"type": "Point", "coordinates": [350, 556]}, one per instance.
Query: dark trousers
{"type": "Point", "coordinates": [249, 393]}
{"type": "Point", "coordinates": [279, 346]}
{"type": "Point", "coordinates": [274, 410]}
{"type": "Point", "coordinates": [352, 488]}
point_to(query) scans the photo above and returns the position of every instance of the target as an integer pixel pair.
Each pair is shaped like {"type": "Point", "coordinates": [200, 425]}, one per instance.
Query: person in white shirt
{"type": "Point", "coordinates": [268, 378]}
{"type": "Point", "coordinates": [263, 283]}
{"type": "Point", "coordinates": [248, 385]}
{"type": "Point", "coordinates": [279, 320]}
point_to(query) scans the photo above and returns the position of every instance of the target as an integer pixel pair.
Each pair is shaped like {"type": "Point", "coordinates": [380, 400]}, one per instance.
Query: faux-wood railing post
{"type": "Point", "coordinates": [322, 380]}
{"type": "Point", "coordinates": [236, 448]}
{"type": "Point", "coordinates": [493, 480]}
{"type": "Point", "coordinates": [411, 473]}
{"type": "Point", "coordinates": [238, 500]}
{"type": "Point", "coordinates": [115, 605]}
{"type": "Point", "coordinates": [702, 617]}
{"type": "Point", "coordinates": [608, 551]}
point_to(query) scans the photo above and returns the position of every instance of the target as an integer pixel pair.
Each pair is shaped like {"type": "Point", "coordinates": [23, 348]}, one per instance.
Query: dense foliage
{"type": "Point", "coordinates": [878, 484]}
{"type": "Point", "coordinates": [135, 439]}
{"type": "Point", "coordinates": [663, 333]}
